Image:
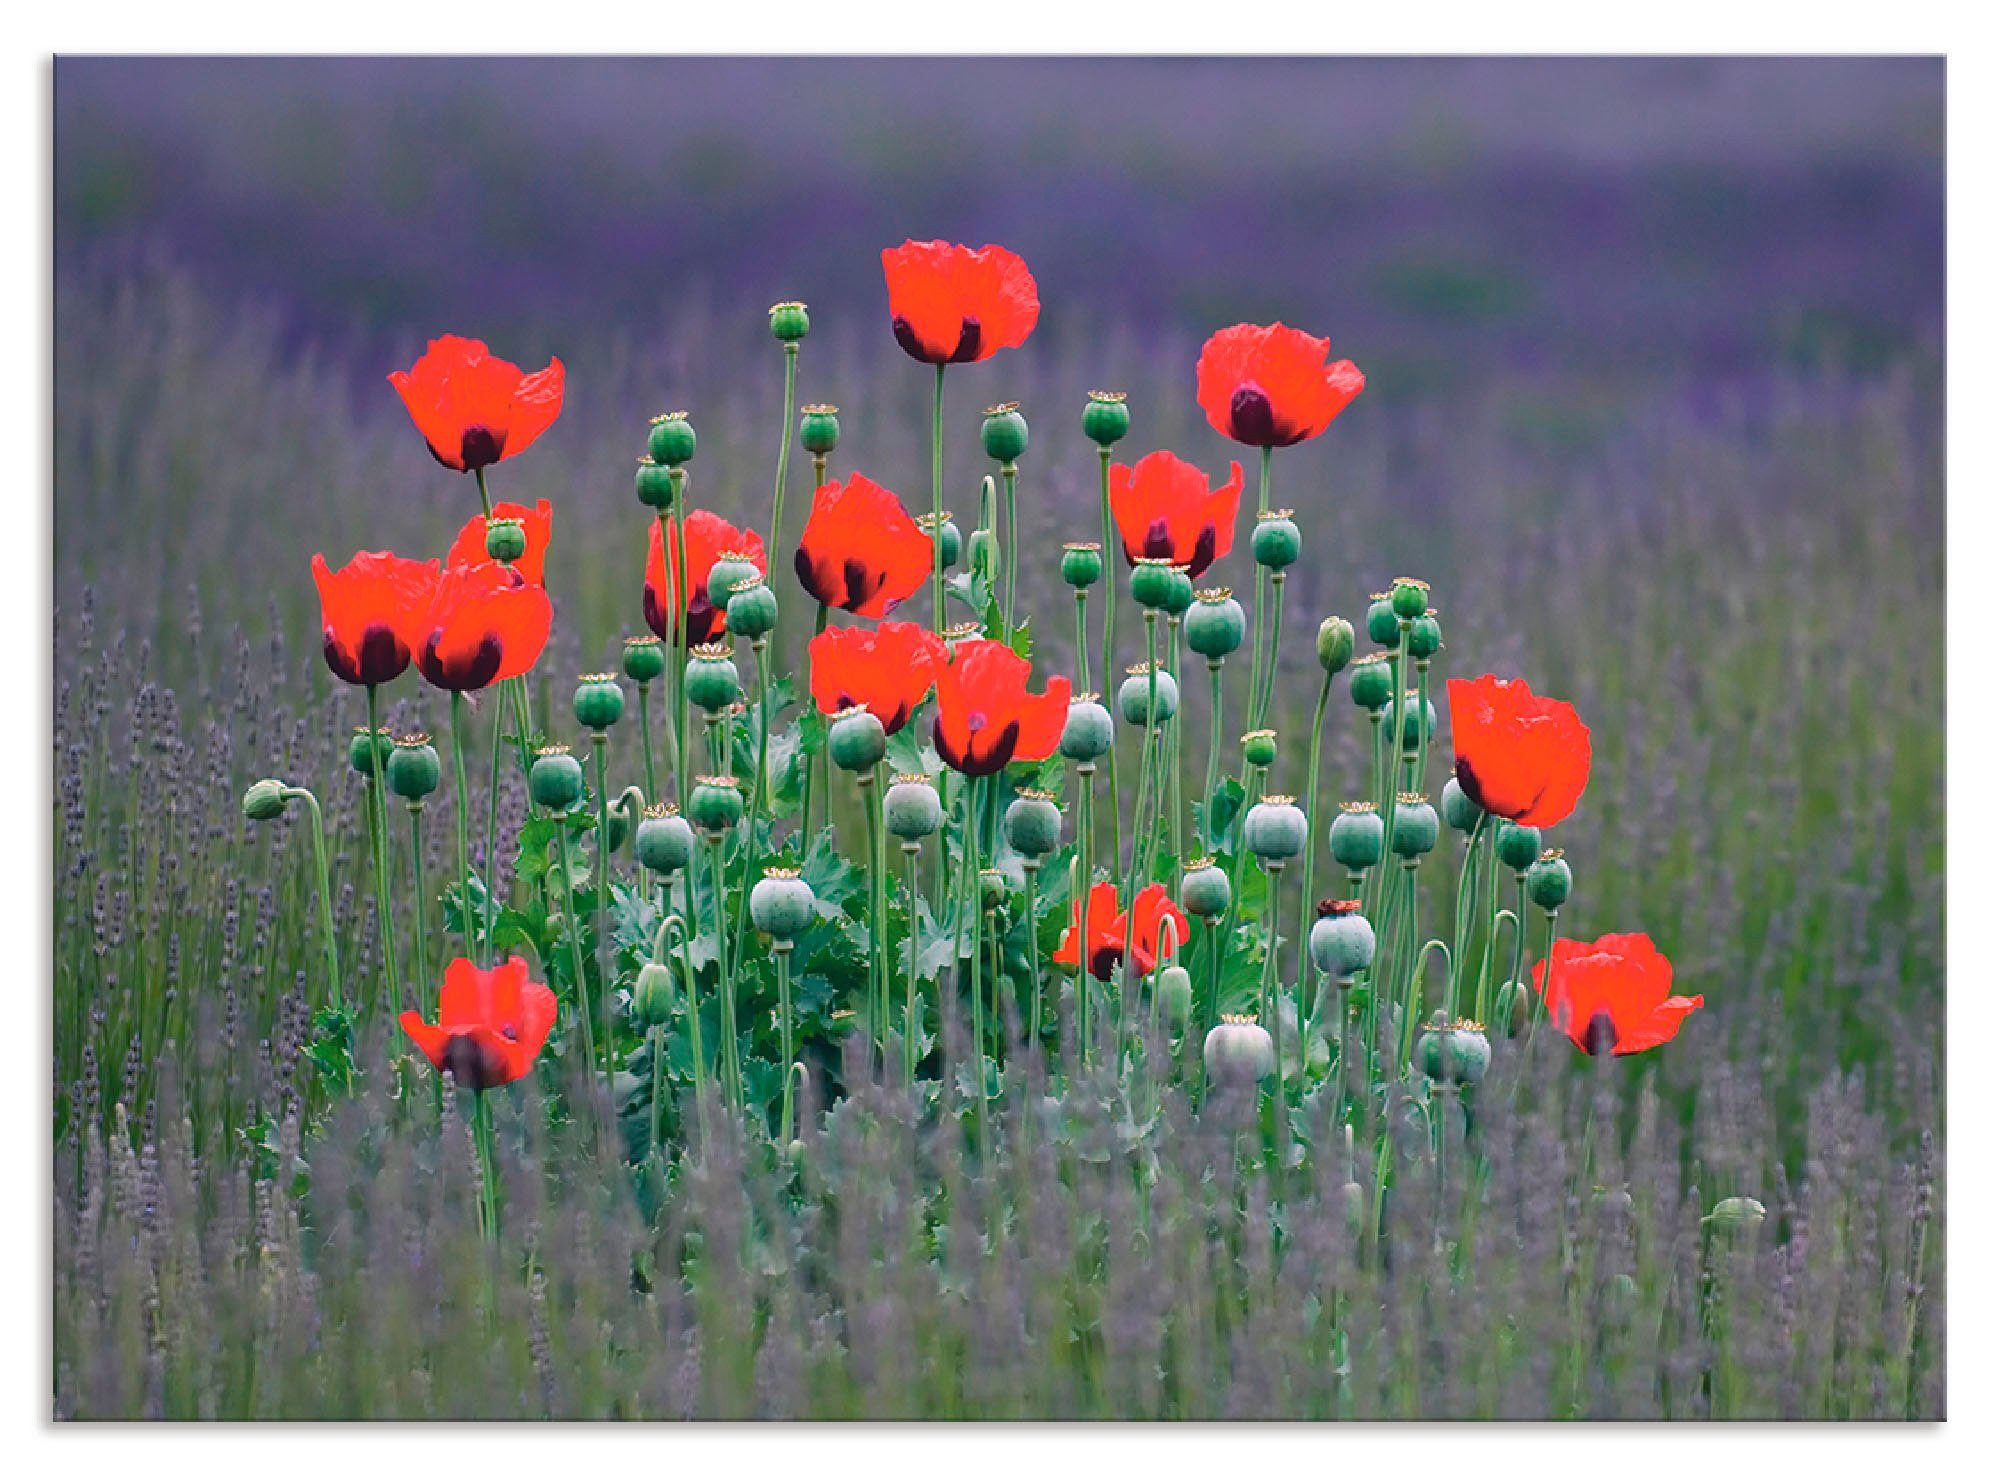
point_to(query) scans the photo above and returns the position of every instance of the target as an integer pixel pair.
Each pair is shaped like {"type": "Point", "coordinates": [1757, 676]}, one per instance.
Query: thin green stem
{"type": "Point", "coordinates": [732, 1064]}
{"type": "Point", "coordinates": [1214, 744]}
{"type": "Point", "coordinates": [1313, 841]}
{"type": "Point", "coordinates": [911, 849]}
{"type": "Point", "coordinates": [1082, 641]}
{"type": "Point", "coordinates": [1031, 872]}
{"type": "Point", "coordinates": [379, 819]}
{"type": "Point", "coordinates": [937, 503]}
{"type": "Point", "coordinates": [329, 942]}
{"type": "Point", "coordinates": [584, 1012]}
{"type": "Point", "coordinates": [1271, 663]}
{"type": "Point", "coordinates": [601, 927]}
{"type": "Point", "coordinates": [1108, 665]}
{"type": "Point", "coordinates": [782, 950]}
{"type": "Point", "coordinates": [1011, 548]}
{"type": "Point", "coordinates": [419, 963]}
{"type": "Point", "coordinates": [1257, 630]}
{"type": "Point", "coordinates": [784, 455]}
{"type": "Point", "coordinates": [489, 1190]}
{"type": "Point", "coordinates": [878, 959]}
{"type": "Point", "coordinates": [491, 906]}
{"type": "Point", "coordinates": [485, 501]}
{"type": "Point", "coordinates": [646, 742]}
{"type": "Point", "coordinates": [460, 818]}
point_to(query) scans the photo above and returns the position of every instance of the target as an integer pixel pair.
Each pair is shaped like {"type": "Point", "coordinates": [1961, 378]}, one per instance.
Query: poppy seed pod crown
{"type": "Point", "coordinates": [1106, 418]}
{"type": "Point", "coordinates": [670, 440]}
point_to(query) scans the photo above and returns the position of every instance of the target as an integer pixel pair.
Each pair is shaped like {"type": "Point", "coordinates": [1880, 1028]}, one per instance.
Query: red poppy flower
{"type": "Point", "coordinates": [1166, 508]}
{"type": "Point", "coordinates": [485, 624]}
{"type": "Point", "coordinates": [470, 546]}
{"type": "Point", "coordinates": [491, 1024]}
{"type": "Point", "coordinates": [474, 409]}
{"type": "Point", "coordinates": [987, 717]}
{"type": "Point", "coordinates": [371, 613]}
{"type": "Point", "coordinates": [1105, 927]}
{"type": "Point", "coordinates": [1520, 756]}
{"type": "Point", "coordinates": [1614, 994]}
{"type": "Point", "coordinates": [954, 305]}
{"type": "Point", "coordinates": [888, 669]}
{"type": "Point", "coordinates": [861, 550]}
{"type": "Point", "coordinates": [708, 538]}
{"type": "Point", "coordinates": [1272, 386]}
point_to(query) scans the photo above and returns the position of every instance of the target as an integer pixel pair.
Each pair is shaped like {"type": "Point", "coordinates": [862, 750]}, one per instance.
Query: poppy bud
{"type": "Point", "coordinates": [1334, 645]}
{"type": "Point", "coordinates": [1148, 690]}
{"type": "Point", "coordinates": [1416, 828]}
{"type": "Point", "coordinates": [1004, 433]}
{"type": "Point", "coordinates": [712, 682]}
{"type": "Point", "coordinates": [1549, 881]}
{"type": "Point", "coordinates": [1510, 1007]}
{"type": "Point", "coordinates": [1459, 810]}
{"type": "Point", "coordinates": [1420, 721]}
{"type": "Point", "coordinates": [729, 570]}
{"type": "Point", "coordinates": [1215, 626]}
{"type": "Point", "coordinates": [941, 529]}
{"type": "Point", "coordinates": [1356, 836]}
{"type": "Point", "coordinates": [654, 484]}
{"type": "Point", "coordinates": [790, 321]}
{"type": "Point", "coordinates": [1152, 582]}
{"type": "Point", "coordinates": [1342, 941]}
{"type": "Point", "coordinates": [1354, 1206]}
{"type": "Point", "coordinates": [985, 552]}
{"type": "Point", "coordinates": [264, 800]}
{"type": "Point", "coordinates": [1176, 988]}
{"type": "Point", "coordinates": [1518, 846]}
{"type": "Point", "coordinates": [413, 771]}
{"type": "Point", "coordinates": [1238, 1051]}
{"type": "Point", "coordinates": [912, 808]}
{"type": "Point", "coordinates": [1034, 824]}
{"type": "Point", "coordinates": [1409, 598]}
{"type": "Point", "coordinates": [1370, 682]}
{"type": "Point", "coordinates": [645, 658]}
{"type": "Point", "coordinates": [599, 701]}
{"type": "Point", "coordinates": [992, 888]}
{"type": "Point", "coordinates": [1260, 748]}
{"type": "Point", "coordinates": [1082, 564]}
{"type": "Point", "coordinates": [556, 779]}
{"type": "Point", "coordinates": [716, 804]}
{"type": "Point", "coordinates": [753, 608]}
{"type": "Point", "coordinates": [1087, 731]}
{"type": "Point", "coordinates": [1204, 889]}
{"type": "Point", "coordinates": [665, 841]}
{"type": "Point", "coordinates": [856, 741]}
{"type": "Point", "coordinates": [819, 428]}
{"type": "Point", "coordinates": [1383, 626]}
{"type": "Point", "coordinates": [506, 539]}
{"type": "Point", "coordinates": [363, 755]}
{"type": "Point", "coordinates": [1105, 417]}
{"type": "Point", "coordinates": [671, 440]}
{"type": "Point", "coordinates": [1275, 828]}
{"type": "Point", "coordinates": [1740, 1212]}
{"type": "Point", "coordinates": [1426, 638]}
{"type": "Point", "coordinates": [653, 994]}
{"type": "Point", "coordinates": [1275, 541]}
{"type": "Point", "coordinates": [781, 904]}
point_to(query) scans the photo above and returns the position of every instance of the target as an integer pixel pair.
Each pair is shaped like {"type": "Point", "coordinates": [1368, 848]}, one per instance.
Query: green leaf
{"type": "Point", "coordinates": [1223, 807]}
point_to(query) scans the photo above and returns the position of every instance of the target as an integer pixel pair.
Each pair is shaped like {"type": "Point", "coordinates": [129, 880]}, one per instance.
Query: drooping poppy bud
{"type": "Point", "coordinates": [264, 800]}
{"type": "Point", "coordinates": [1334, 644]}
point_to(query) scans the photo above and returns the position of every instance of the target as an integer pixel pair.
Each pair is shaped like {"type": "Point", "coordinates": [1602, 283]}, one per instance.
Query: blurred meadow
{"type": "Point", "coordinates": [1655, 382]}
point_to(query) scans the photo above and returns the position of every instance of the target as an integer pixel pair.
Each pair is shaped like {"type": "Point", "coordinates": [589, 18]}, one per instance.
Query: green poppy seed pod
{"type": "Point", "coordinates": [729, 570]}
{"type": "Point", "coordinates": [789, 321]}
{"type": "Point", "coordinates": [1459, 810]}
{"type": "Point", "coordinates": [1004, 433]}
{"type": "Point", "coordinates": [752, 608]}
{"type": "Point", "coordinates": [1275, 541]}
{"type": "Point", "coordinates": [781, 904]}
{"type": "Point", "coordinates": [599, 701]}
{"type": "Point", "coordinates": [819, 428]}
{"type": "Point", "coordinates": [264, 800]}
{"type": "Point", "coordinates": [1416, 829]}
{"type": "Point", "coordinates": [362, 755]}
{"type": "Point", "coordinates": [654, 485]}
{"type": "Point", "coordinates": [1148, 690]}
{"type": "Point", "coordinates": [712, 681]}
{"type": "Point", "coordinates": [414, 771]}
{"type": "Point", "coordinates": [1740, 1212]}
{"type": "Point", "coordinates": [1420, 721]}
{"type": "Point", "coordinates": [1082, 564]}
{"type": "Point", "coordinates": [1518, 846]}
{"type": "Point", "coordinates": [1106, 418]}
{"type": "Point", "coordinates": [1260, 748]}
{"type": "Point", "coordinates": [716, 804]}
{"type": "Point", "coordinates": [1334, 645]}
{"type": "Point", "coordinates": [1356, 836]}
{"type": "Point", "coordinates": [1383, 626]}
{"type": "Point", "coordinates": [1471, 1053]}
{"type": "Point", "coordinates": [645, 658]}
{"type": "Point", "coordinates": [556, 779]}
{"type": "Point", "coordinates": [1432, 1057]}
{"type": "Point", "coordinates": [856, 741]}
{"type": "Point", "coordinates": [1216, 625]}
{"type": "Point", "coordinates": [1511, 1007]}
{"type": "Point", "coordinates": [1204, 889]}
{"type": "Point", "coordinates": [1152, 582]}
{"type": "Point", "coordinates": [1176, 988]}
{"type": "Point", "coordinates": [1087, 731]}
{"type": "Point", "coordinates": [1034, 824]}
{"type": "Point", "coordinates": [1342, 941]}
{"type": "Point", "coordinates": [1275, 829]}
{"type": "Point", "coordinates": [506, 539]}
{"type": "Point", "coordinates": [653, 994]}
{"type": "Point", "coordinates": [1409, 598]}
{"type": "Point", "coordinates": [665, 841]}
{"type": "Point", "coordinates": [944, 533]}
{"type": "Point", "coordinates": [992, 888]}
{"type": "Point", "coordinates": [617, 826]}
{"type": "Point", "coordinates": [1370, 682]}
{"type": "Point", "coordinates": [1238, 1051]}
{"type": "Point", "coordinates": [1549, 881]}
{"type": "Point", "coordinates": [671, 440]}
{"type": "Point", "coordinates": [1426, 637]}
{"type": "Point", "coordinates": [1180, 593]}
{"type": "Point", "coordinates": [912, 808]}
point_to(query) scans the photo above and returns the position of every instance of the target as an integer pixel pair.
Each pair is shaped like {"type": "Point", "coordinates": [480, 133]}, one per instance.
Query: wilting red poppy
{"type": "Point", "coordinates": [987, 717]}
{"type": "Point", "coordinates": [1615, 994]}
{"type": "Point", "coordinates": [474, 409]}
{"type": "Point", "coordinates": [470, 546]}
{"type": "Point", "coordinates": [371, 614]}
{"type": "Point", "coordinates": [861, 551]}
{"type": "Point", "coordinates": [954, 305]}
{"type": "Point", "coordinates": [1104, 926]}
{"type": "Point", "coordinates": [1520, 756]}
{"type": "Point", "coordinates": [1272, 386]}
{"type": "Point", "coordinates": [485, 624]}
{"type": "Point", "coordinates": [708, 538]}
{"type": "Point", "coordinates": [491, 1024]}
{"type": "Point", "coordinates": [1166, 508]}
{"type": "Point", "coordinates": [888, 669]}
